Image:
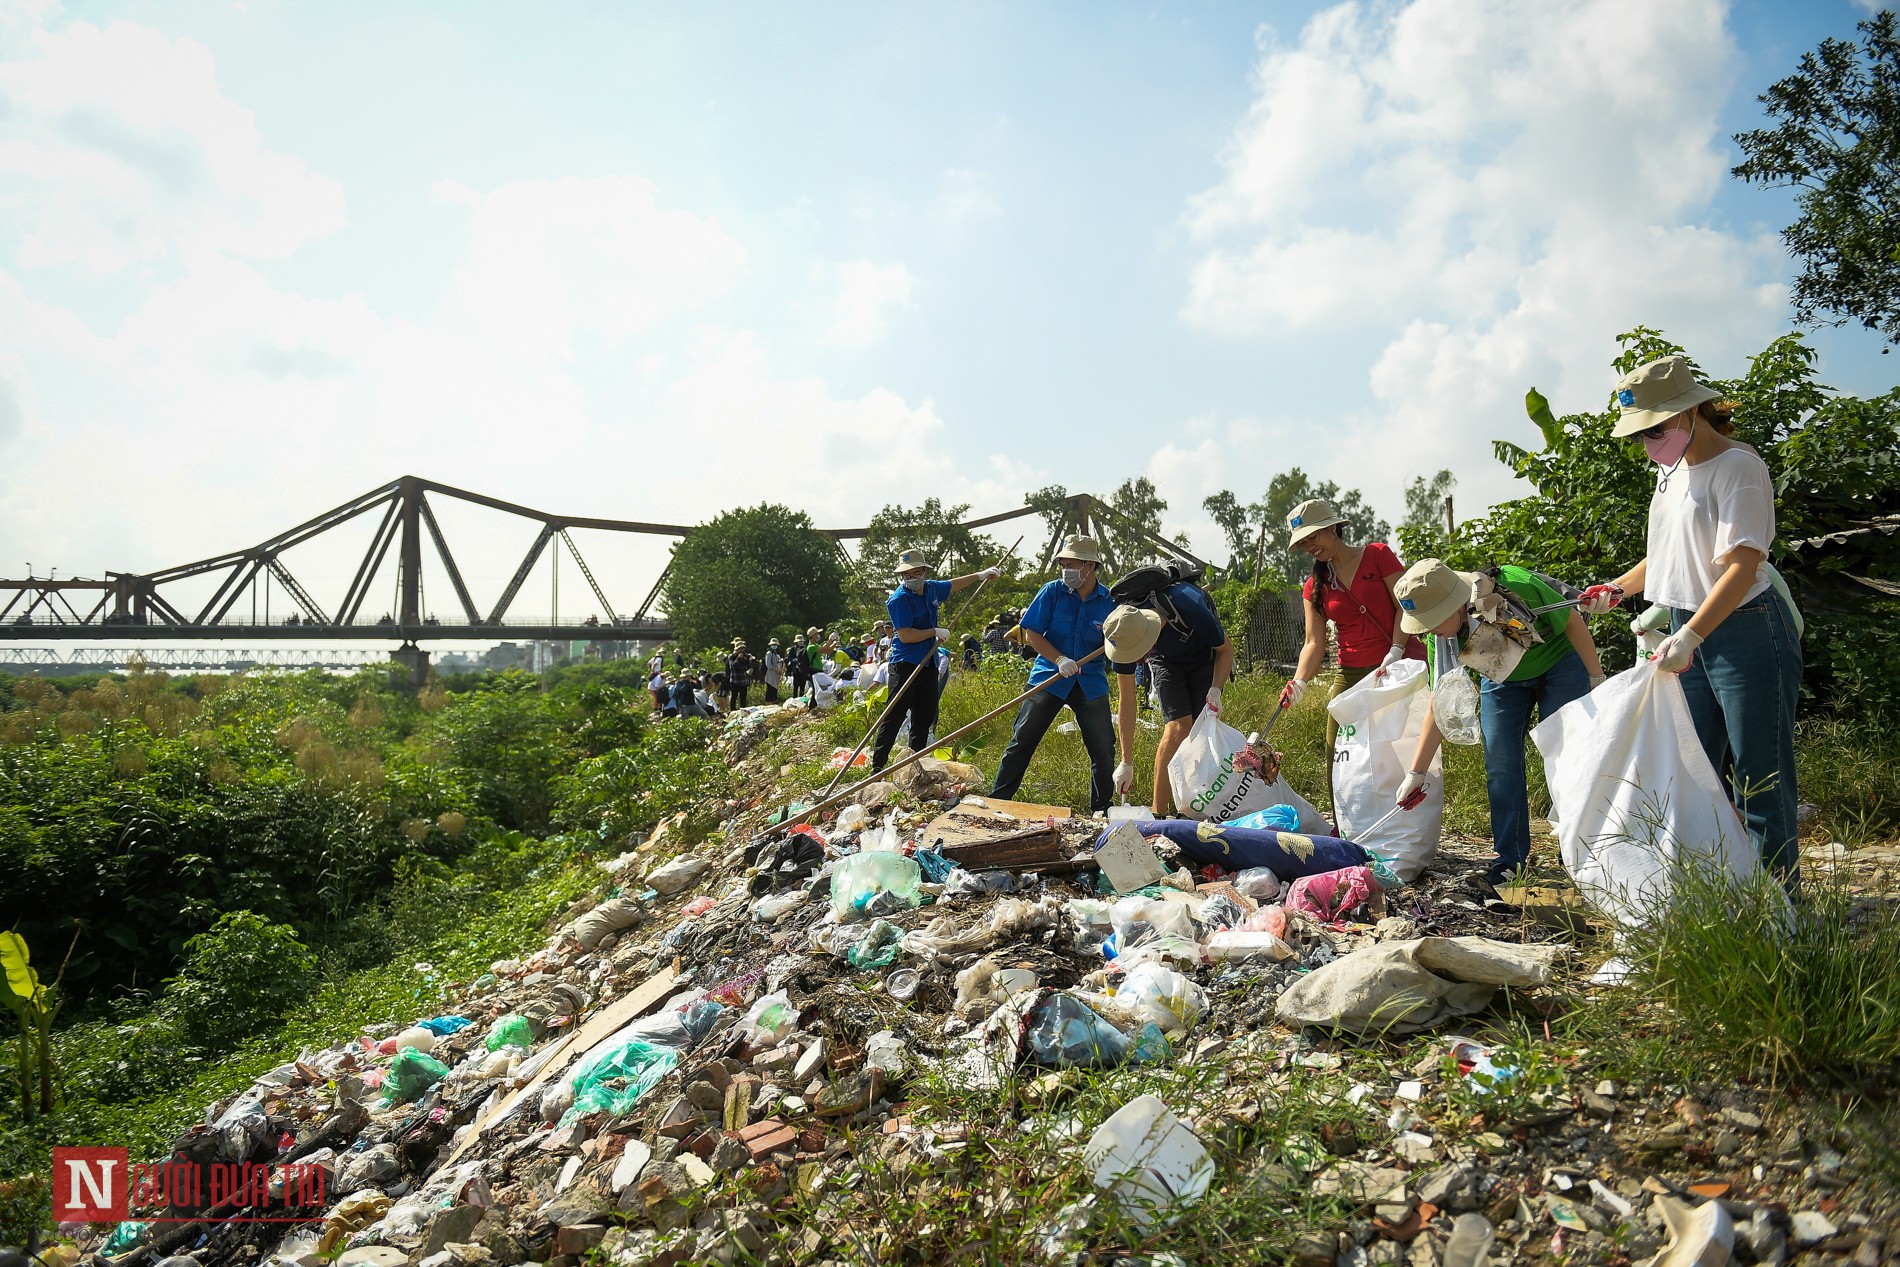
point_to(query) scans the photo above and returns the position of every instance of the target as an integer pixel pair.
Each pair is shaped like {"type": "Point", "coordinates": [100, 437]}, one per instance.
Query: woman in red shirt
{"type": "Point", "coordinates": [1351, 586]}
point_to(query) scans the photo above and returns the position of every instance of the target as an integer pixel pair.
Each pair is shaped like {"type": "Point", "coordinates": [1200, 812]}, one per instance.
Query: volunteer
{"type": "Point", "coordinates": [774, 670]}
{"type": "Point", "coordinates": [1063, 624]}
{"type": "Point", "coordinates": [686, 697]}
{"type": "Point", "coordinates": [1732, 636]}
{"type": "Point", "coordinates": [1351, 586]}
{"type": "Point", "coordinates": [1190, 659]}
{"type": "Point", "coordinates": [740, 670]}
{"type": "Point", "coordinates": [1544, 672]}
{"type": "Point", "coordinates": [916, 634]}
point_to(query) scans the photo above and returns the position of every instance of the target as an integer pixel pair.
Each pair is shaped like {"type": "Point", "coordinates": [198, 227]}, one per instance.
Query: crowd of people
{"type": "Point", "coordinates": [1733, 637]}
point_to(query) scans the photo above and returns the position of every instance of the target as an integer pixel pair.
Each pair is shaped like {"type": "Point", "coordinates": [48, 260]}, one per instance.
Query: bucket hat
{"type": "Point", "coordinates": [1309, 517]}
{"type": "Point", "coordinates": [912, 559]}
{"type": "Point", "coordinates": [1656, 392]}
{"type": "Point", "coordinates": [1085, 549]}
{"type": "Point", "coordinates": [1130, 633]}
{"type": "Point", "coordinates": [1430, 593]}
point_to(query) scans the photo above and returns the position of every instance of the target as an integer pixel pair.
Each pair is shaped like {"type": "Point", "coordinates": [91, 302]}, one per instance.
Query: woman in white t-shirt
{"type": "Point", "coordinates": [1732, 636]}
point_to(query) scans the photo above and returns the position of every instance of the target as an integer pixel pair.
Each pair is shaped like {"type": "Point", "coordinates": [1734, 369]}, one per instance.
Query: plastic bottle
{"type": "Point", "coordinates": [1470, 1244]}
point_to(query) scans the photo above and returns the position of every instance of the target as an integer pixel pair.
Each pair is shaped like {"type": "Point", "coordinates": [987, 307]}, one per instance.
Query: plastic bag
{"type": "Point", "coordinates": [1242, 944]}
{"type": "Point", "coordinates": [1221, 911]}
{"type": "Point", "coordinates": [857, 881]}
{"type": "Point", "coordinates": [614, 1081]}
{"type": "Point", "coordinates": [935, 866]}
{"type": "Point", "coordinates": [963, 884]}
{"type": "Point", "coordinates": [1455, 697]}
{"type": "Point", "coordinates": [877, 948]}
{"type": "Point", "coordinates": [1065, 1033]}
{"type": "Point", "coordinates": [770, 1019]}
{"type": "Point", "coordinates": [1136, 917]}
{"type": "Point", "coordinates": [1280, 817]}
{"type": "Point", "coordinates": [1268, 919]}
{"type": "Point", "coordinates": [775, 906]}
{"type": "Point", "coordinates": [510, 1031]}
{"type": "Point", "coordinates": [1154, 983]}
{"type": "Point", "coordinates": [443, 1026]}
{"type": "Point", "coordinates": [885, 838]}
{"type": "Point", "coordinates": [1380, 720]}
{"type": "Point", "coordinates": [1634, 796]}
{"type": "Point", "coordinates": [411, 1075]}
{"type": "Point", "coordinates": [1332, 896]}
{"type": "Point", "coordinates": [1258, 883]}
{"type": "Point", "coordinates": [1207, 784]}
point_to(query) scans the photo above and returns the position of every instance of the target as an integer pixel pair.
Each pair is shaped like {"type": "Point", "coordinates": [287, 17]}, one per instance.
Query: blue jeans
{"type": "Point", "coordinates": [1032, 722]}
{"type": "Point", "coordinates": [1504, 713]}
{"type": "Point", "coordinates": [1743, 686]}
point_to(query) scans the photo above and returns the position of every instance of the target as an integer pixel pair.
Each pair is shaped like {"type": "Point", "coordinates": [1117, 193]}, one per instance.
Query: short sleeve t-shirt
{"type": "Point", "coordinates": [1203, 636]}
{"type": "Point", "coordinates": [1362, 613]}
{"type": "Point", "coordinates": [1073, 626]}
{"type": "Point", "coordinates": [1698, 516]}
{"type": "Point", "coordinates": [915, 611]}
{"type": "Point", "coordinates": [1530, 590]}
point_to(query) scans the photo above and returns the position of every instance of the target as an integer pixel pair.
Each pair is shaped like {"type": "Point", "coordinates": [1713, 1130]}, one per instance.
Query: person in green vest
{"type": "Point", "coordinates": [1527, 662]}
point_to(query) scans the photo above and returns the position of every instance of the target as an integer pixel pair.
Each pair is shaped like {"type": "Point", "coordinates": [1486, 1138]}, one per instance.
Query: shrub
{"type": "Point", "coordinates": [630, 790]}
{"type": "Point", "coordinates": [238, 977]}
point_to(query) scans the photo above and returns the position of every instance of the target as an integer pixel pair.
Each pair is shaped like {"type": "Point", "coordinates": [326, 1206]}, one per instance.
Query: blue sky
{"type": "Point", "coordinates": [658, 261]}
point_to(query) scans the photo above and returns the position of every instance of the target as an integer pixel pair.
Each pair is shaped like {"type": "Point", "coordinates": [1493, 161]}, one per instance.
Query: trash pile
{"type": "Point", "coordinates": [718, 1036]}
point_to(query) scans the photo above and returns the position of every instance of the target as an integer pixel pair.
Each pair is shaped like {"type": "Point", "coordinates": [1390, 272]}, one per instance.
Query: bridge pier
{"type": "Point", "coordinates": [416, 660]}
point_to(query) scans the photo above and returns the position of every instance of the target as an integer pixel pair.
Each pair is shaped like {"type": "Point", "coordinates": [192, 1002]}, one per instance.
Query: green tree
{"type": "Point", "coordinates": [1425, 533]}
{"type": "Point", "coordinates": [1835, 139]}
{"type": "Point", "coordinates": [935, 529]}
{"type": "Point", "coordinates": [748, 571]}
{"type": "Point", "coordinates": [1236, 524]}
{"type": "Point", "coordinates": [1126, 534]}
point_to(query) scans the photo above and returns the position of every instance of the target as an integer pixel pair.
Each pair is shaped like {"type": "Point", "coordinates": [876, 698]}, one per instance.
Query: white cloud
{"type": "Point", "coordinates": [117, 148]}
{"type": "Point", "coordinates": [1483, 192]}
{"type": "Point", "coordinates": [968, 194]}
{"type": "Point", "coordinates": [863, 299]}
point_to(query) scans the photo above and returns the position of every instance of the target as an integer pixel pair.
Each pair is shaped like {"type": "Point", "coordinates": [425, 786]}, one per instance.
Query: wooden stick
{"type": "Point", "coordinates": [953, 736]}
{"type": "Point", "coordinates": [899, 693]}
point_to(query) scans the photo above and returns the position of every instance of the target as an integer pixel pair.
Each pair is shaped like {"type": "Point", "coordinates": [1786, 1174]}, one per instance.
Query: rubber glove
{"type": "Point", "coordinates": [1599, 599]}
{"type": "Point", "coordinates": [1392, 657]}
{"type": "Point", "coordinates": [1292, 693]}
{"type": "Point", "coordinates": [1412, 783]}
{"type": "Point", "coordinates": [1124, 778]}
{"type": "Point", "coordinates": [1677, 650]}
{"type": "Point", "coordinates": [943, 635]}
{"type": "Point", "coordinates": [990, 574]}
{"type": "Point", "coordinates": [1067, 667]}
{"type": "Point", "coordinates": [1213, 699]}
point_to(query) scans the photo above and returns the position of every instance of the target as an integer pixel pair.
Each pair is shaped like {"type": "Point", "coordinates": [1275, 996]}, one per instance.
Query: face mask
{"type": "Point", "coordinates": [914, 584]}
{"type": "Point", "coordinates": [1072, 577]}
{"type": "Point", "coordinates": [1667, 449]}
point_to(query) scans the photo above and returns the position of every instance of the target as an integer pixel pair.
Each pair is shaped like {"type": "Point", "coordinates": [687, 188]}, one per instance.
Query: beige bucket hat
{"type": "Point", "coordinates": [1309, 517]}
{"type": "Point", "coordinates": [1430, 593]}
{"type": "Point", "coordinates": [1656, 392]}
{"type": "Point", "coordinates": [1130, 633]}
{"type": "Point", "coordinates": [911, 560]}
{"type": "Point", "coordinates": [1085, 549]}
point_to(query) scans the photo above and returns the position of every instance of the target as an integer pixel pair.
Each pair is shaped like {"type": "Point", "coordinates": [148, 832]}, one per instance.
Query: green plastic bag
{"type": "Point", "coordinates": [125, 1238]}
{"type": "Point", "coordinates": [410, 1076]}
{"type": "Point", "coordinates": [510, 1031]}
{"type": "Point", "coordinates": [878, 949]}
{"type": "Point", "coordinates": [615, 1081]}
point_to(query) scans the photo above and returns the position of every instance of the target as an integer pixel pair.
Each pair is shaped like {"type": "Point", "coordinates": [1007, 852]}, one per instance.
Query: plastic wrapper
{"type": "Point", "coordinates": [1268, 919]}
{"type": "Point", "coordinates": [966, 884]}
{"type": "Point", "coordinates": [1010, 919]}
{"type": "Point", "coordinates": [615, 1081]}
{"type": "Point", "coordinates": [1280, 817]}
{"type": "Point", "coordinates": [1155, 983]}
{"type": "Point", "coordinates": [511, 1030]}
{"type": "Point", "coordinates": [1066, 1033]}
{"type": "Point", "coordinates": [1221, 911]}
{"type": "Point", "coordinates": [411, 1075]}
{"type": "Point", "coordinates": [1171, 949]}
{"type": "Point", "coordinates": [877, 948]}
{"type": "Point", "coordinates": [1258, 883]}
{"type": "Point", "coordinates": [776, 906]}
{"type": "Point", "coordinates": [770, 1018]}
{"type": "Point", "coordinates": [857, 882]}
{"type": "Point", "coordinates": [1334, 895]}
{"type": "Point", "coordinates": [1136, 917]}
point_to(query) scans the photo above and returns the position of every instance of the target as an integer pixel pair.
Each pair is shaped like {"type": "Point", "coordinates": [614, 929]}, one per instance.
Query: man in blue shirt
{"type": "Point", "coordinates": [1189, 658]}
{"type": "Point", "coordinates": [915, 636]}
{"type": "Point", "coordinates": [1064, 623]}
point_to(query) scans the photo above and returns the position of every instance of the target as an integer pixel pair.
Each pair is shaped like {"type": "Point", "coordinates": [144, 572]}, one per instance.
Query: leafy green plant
{"type": "Point", "coordinates": [34, 1005]}
{"type": "Point", "coordinates": [238, 977]}
{"type": "Point", "coordinates": [1524, 1078]}
{"type": "Point", "coordinates": [630, 790]}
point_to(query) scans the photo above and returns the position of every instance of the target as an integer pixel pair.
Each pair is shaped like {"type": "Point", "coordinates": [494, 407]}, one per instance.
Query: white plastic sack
{"type": "Point", "coordinates": [1633, 794]}
{"type": "Point", "coordinates": [1380, 720]}
{"type": "Point", "coordinates": [1206, 784]}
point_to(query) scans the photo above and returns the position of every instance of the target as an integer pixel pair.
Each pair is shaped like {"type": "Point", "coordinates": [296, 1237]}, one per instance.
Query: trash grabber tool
{"type": "Point", "coordinates": [1413, 800]}
{"type": "Point", "coordinates": [952, 737]}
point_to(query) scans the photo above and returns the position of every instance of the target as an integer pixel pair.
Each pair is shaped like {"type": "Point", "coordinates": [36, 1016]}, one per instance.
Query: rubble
{"type": "Point", "coordinates": [736, 1037]}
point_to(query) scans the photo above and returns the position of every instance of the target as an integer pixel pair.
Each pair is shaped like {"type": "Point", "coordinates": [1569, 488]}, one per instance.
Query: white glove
{"type": "Point", "coordinates": [1412, 783]}
{"type": "Point", "coordinates": [943, 635]}
{"type": "Point", "coordinates": [1067, 667]}
{"type": "Point", "coordinates": [1599, 599]}
{"type": "Point", "coordinates": [1677, 650]}
{"type": "Point", "coordinates": [1124, 778]}
{"type": "Point", "coordinates": [990, 574]}
{"type": "Point", "coordinates": [1292, 693]}
{"type": "Point", "coordinates": [1213, 699]}
{"type": "Point", "coordinates": [1392, 657]}
{"type": "Point", "coordinates": [1598, 679]}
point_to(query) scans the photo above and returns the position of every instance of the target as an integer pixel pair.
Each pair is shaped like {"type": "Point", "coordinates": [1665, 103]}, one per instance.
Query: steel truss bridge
{"type": "Point", "coordinates": [150, 606]}
{"type": "Point", "coordinates": [207, 659]}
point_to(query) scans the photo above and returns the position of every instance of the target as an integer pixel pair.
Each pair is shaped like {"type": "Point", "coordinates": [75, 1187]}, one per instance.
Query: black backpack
{"type": "Point", "coordinates": [1149, 586]}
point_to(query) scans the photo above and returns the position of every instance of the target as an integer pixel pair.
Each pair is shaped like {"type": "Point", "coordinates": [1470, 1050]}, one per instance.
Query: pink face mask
{"type": "Point", "coordinates": [1667, 449]}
